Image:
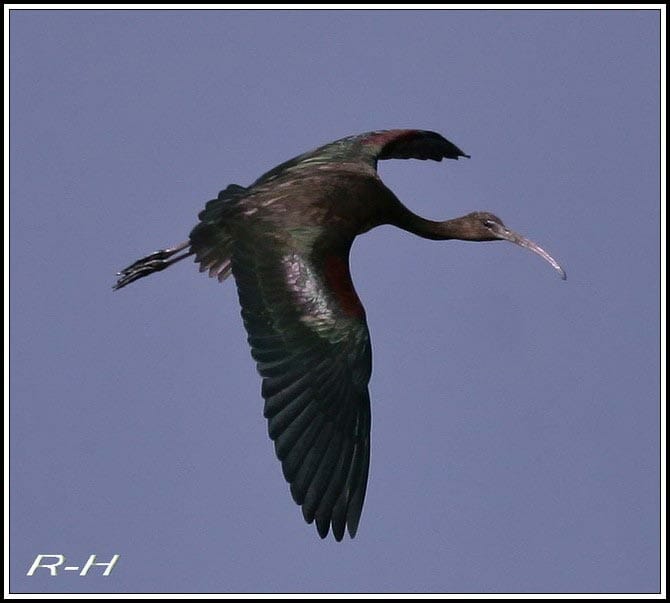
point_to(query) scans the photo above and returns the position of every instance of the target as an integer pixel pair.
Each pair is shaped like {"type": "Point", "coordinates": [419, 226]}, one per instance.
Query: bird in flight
{"type": "Point", "coordinates": [286, 240]}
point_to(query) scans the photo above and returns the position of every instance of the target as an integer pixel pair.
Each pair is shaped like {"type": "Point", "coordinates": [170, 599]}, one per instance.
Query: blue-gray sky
{"type": "Point", "coordinates": [515, 441]}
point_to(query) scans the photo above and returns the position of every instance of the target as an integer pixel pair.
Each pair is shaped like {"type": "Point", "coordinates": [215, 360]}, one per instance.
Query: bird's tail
{"type": "Point", "coordinates": [154, 262]}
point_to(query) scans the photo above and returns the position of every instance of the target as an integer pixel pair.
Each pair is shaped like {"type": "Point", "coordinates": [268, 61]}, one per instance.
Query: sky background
{"type": "Point", "coordinates": [515, 438]}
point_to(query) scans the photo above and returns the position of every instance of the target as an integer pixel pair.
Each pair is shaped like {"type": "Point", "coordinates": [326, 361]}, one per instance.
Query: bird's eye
{"type": "Point", "coordinates": [489, 223]}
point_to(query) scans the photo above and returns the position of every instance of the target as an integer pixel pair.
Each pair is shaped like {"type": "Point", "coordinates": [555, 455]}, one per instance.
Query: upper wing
{"type": "Point", "coordinates": [309, 337]}
{"type": "Point", "coordinates": [366, 149]}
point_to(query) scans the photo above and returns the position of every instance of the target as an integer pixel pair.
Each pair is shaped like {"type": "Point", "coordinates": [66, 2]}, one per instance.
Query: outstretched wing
{"type": "Point", "coordinates": [364, 150]}
{"type": "Point", "coordinates": [309, 337]}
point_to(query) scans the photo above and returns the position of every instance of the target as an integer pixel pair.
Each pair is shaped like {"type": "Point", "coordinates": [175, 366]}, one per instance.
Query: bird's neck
{"type": "Point", "coordinates": [428, 229]}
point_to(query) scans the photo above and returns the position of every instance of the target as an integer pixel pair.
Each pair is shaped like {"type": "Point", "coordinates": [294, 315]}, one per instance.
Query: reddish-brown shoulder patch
{"type": "Point", "coordinates": [383, 137]}
{"type": "Point", "coordinates": [338, 280]}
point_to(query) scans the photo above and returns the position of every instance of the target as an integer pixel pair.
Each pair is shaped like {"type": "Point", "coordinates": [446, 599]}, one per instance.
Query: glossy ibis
{"type": "Point", "coordinates": [286, 240]}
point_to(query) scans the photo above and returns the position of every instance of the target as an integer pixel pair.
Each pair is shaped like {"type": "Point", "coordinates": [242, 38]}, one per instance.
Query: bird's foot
{"type": "Point", "coordinates": [154, 262]}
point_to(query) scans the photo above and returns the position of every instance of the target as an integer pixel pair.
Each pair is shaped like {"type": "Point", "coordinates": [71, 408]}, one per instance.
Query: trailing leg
{"type": "Point", "coordinates": [154, 262]}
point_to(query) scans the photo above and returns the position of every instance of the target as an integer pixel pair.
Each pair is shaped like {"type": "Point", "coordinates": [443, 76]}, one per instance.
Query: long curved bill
{"type": "Point", "coordinates": [514, 237]}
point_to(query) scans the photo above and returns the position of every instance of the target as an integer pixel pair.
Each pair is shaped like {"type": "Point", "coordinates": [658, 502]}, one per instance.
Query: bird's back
{"type": "Point", "coordinates": [308, 199]}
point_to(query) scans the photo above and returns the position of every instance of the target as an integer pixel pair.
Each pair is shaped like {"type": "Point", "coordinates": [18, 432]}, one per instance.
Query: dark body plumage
{"type": "Point", "coordinates": [286, 239]}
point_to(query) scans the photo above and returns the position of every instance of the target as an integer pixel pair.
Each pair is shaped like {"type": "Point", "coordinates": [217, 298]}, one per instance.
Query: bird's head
{"type": "Point", "coordinates": [480, 226]}
{"type": "Point", "coordinates": [484, 226]}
